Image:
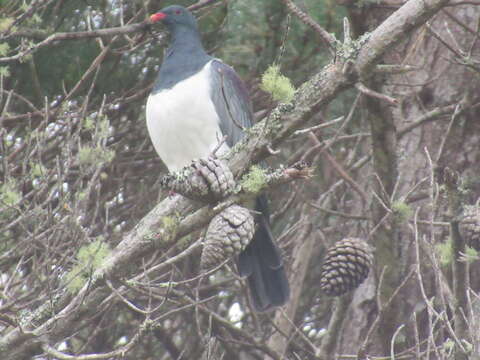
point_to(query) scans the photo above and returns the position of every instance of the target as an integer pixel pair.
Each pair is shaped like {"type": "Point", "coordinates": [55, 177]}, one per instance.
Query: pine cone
{"type": "Point", "coordinates": [470, 226]}
{"type": "Point", "coordinates": [227, 235]}
{"type": "Point", "coordinates": [346, 266]}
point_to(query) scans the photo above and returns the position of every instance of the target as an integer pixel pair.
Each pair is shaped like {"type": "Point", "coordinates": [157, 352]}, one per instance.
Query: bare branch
{"type": "Point", "coordinates": [128, 29]}
{"type": "Point", "coordinates": [327, 38]}
{"type": "Point", "coordinates": [369, 92]}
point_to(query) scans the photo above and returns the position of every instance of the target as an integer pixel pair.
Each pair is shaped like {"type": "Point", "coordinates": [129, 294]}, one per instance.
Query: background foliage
{"type": "Point", "coordinates": [78, 172]}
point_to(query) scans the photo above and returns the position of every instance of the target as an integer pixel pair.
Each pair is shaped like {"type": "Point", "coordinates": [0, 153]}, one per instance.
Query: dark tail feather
{"type": "Point", "coordinates": [262, 264]}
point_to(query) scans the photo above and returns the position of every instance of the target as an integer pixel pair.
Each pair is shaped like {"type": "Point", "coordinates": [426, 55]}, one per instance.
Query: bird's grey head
{"type": "Point", "coordinates": [175, 17]}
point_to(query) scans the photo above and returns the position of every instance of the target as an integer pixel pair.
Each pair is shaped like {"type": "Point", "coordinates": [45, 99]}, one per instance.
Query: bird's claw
{"type": "Point", "coordinates": [204, 179]}
{"type": "Point", "coordinates": [217, 176]}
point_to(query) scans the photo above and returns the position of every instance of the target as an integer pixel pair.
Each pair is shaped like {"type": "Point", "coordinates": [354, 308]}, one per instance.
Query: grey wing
{"type": "Point", "coordinates": [232, 102]}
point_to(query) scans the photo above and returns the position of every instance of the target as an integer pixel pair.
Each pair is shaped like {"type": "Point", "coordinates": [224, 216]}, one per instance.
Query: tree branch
{"type": "Point", "coordinates": [121, 30]}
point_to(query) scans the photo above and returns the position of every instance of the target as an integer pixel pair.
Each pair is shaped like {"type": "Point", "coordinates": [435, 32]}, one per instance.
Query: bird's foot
{"type": "Point", "coordinates": [216, 175]}
{"type": "Point", "coordinates": [204, 179]}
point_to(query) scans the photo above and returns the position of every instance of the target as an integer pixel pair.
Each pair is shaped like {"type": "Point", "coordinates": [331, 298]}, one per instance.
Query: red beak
{"type": "Point", "coordinates": [157, 17]}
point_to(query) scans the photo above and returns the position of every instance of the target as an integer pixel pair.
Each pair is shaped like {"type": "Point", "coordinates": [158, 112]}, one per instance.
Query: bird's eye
{"type": "Point", "coordinates": [178, 12]}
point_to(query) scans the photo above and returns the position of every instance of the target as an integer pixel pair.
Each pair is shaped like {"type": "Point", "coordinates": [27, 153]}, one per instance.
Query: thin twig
{"type": "Point", "coordinates": [439, 38]}
{"type": "Point", "coordinates": [119, 353]}
{"type": "Point", "coordinates": [372, 93]}
{"type": "Point", "coordinates": [447, 133]}
{"type": "Point", "coordinates": [320, 126]}
{"type": "Point", "coordinates": [339, 213]}
{"type": "Point", "coordinates": [327, 38]}
{"type": "Point", "coordinates": [76, 36]}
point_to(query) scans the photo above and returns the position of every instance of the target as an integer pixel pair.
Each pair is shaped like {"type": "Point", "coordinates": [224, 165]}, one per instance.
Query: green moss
{"type": "Point", "coordinates": [86, 155]}
{"type": "Point", "coordinates": [402, 211]}
{"type": "Point", "coordinates": [89, 258]}
{"type": "Point", "coordinates": [254, 180]}
{"type": "Point", "coordinates": [350, 49]}
{"type": "Point", "coordinates": [37, 170]}
{"type": "Point", "coordinates": [94, 155]}
{"type": "Point", "coordinates": [35, 19]}
{"type": "Point", "coordinates": [448, 346]}
{"type": "Point", "coordinates": [4, 47]}
{"type": "Point", "coordinates": [9, 194]}
{"type": "Point", "coordinates": [81, 195]}
{"type": "Point", "coordinates": [75, 279]}
{"type": "Point", "coordinates": [4, 71]}
{"type": "Point", "coordinates": [104, 128]}
{"type": "Point", "coordinates": [167, 231]}
{"type": "Point", "coordinates": [277, 85]}
{"type": "Point", "coordinates": [470, 255]}
{"type": "Point", "coordinates": [170, 223]}
{"type": "Point", "coordinates": [88, 123]}
{"type": "Point", "coordinates": [5, 23]}
{"type": "Point", "coordinates": [445, 252]}
{"type": "Point", "coordinates": [94, 252]}
{"type": "Point", "coordinates": [98, 153]}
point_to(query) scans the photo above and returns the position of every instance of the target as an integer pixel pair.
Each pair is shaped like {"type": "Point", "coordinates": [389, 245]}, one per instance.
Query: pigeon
{"type": "Point", "coordinates": [196, 101]}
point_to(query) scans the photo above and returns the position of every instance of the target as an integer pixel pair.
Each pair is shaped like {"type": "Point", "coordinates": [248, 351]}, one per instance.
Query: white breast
{"type": "Point", "coordinates": [182, 121]}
